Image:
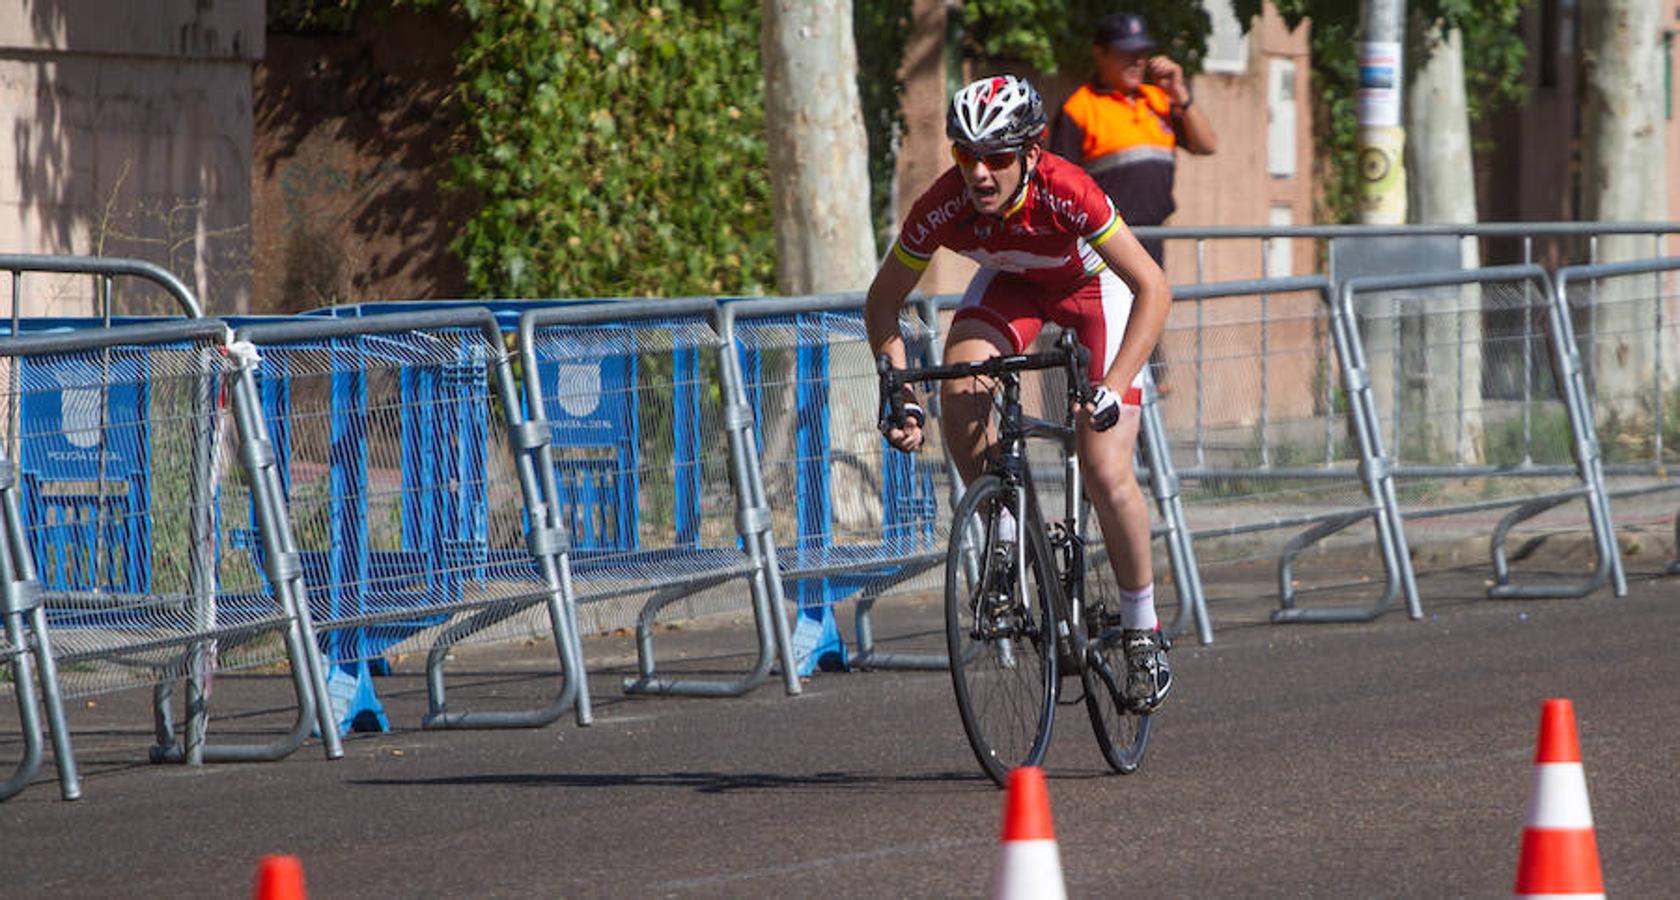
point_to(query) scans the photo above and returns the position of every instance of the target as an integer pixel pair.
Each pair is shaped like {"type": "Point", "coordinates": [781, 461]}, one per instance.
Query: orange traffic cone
{"type": "Point", "coordinates": [1559, 851]}
{"type": "Point", "coordinates": [1031, 866]}
{"type": "Point", "coordinates": [279, 878]}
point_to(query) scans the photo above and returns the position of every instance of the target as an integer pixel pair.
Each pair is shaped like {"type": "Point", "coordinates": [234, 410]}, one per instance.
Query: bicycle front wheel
{"type": "Point", "coordinates": [998, 630]}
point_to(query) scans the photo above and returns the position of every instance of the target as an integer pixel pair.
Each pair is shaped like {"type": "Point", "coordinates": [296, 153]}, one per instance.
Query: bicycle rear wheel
{"type": "Point", "coordinates": [1122, 733]}
{"type": "Point", "coordinates": [1003, 663]}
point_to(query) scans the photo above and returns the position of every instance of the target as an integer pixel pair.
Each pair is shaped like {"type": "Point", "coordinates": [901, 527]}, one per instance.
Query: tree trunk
{"type": "Point", "coordinates": [1623, 179]}
{"type": "Point", "coordinates": [1441, 182]}
{"type": "Point", "coordinates": [825, 242]}
{"type": "Point", "coordinates": [819, 174]}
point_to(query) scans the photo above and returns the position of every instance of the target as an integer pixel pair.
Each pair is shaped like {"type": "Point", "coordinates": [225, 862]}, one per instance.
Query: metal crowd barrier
{"type": "Point", "coordinates": [28, 648]}
{"type": "Point", "coordinates": [646, 459]}
{"type": "Point", "coordinates": [1228, 253]}
{"type": "Point", "coordinates": [104, 270]}
{"type": "Point", "coordinates": [859, 520]}
{"type": "Point", "coordinates": [124, 473]}
{"type": "Point", "coordinates": [1268, 423]}
{"type": "Point", "coordinates": [1631, 311]}
{"type": "Point", "coordinates": [1489, 427]}
{"type": "Point", "coordinates": [365, 491]}
{"type": "Point", "coordinates": [409, 500]}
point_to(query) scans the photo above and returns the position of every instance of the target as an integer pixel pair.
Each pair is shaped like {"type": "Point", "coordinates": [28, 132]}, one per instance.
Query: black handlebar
{"type": "Point", "coordinates": [1068, 354]}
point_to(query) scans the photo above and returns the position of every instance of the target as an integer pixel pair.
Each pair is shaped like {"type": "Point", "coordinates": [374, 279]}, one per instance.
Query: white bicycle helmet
{"type": "Point", "coordinates": [998, 113]}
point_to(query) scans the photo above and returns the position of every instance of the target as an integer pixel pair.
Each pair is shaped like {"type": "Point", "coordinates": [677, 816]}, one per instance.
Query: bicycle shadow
{"type": "Point", "coordinates": [700, 782]}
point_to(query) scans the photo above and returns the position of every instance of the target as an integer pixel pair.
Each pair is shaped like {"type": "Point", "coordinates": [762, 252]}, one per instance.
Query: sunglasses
{"type": "Point", "coordinates": [966, 158]}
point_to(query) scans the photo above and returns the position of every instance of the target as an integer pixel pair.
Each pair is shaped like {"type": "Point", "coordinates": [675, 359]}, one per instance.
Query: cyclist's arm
{"type": "Point", "coordinates": [893, 282]}
{"type": "Point", "coordinates": [1150, 299]}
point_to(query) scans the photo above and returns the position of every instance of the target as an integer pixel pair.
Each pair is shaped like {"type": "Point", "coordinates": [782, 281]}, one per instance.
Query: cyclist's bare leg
{"type": "Point", "coordinates": [1111, 483]}
{"type": "Point", "coordinates": [965, 405]}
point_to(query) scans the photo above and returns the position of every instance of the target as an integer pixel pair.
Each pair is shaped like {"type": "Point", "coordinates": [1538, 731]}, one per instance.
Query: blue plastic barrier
{"type": "Point", "coordinates": [443, 432]}
{"type": "Point", "coordinates": [86, 471]}
{"type": "Point", "coordinates": [822, 569]}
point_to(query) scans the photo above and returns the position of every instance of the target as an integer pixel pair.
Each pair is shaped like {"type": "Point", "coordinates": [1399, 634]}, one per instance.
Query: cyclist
{"type": "Point", "coordinates": [1050, 246]}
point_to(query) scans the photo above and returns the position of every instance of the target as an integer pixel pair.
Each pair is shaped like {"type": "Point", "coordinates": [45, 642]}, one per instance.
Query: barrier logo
{"type": "Point", "coordinates": [78, 405]}
{"type": "Point", "coordinates": [579, 391]}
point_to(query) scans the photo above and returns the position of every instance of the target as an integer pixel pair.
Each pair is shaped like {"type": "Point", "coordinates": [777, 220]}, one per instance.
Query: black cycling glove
{"type": "Point", "coordinates": [908, 409]}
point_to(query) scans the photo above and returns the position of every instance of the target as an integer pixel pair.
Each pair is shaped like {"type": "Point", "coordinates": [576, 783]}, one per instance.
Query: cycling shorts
{"type": "Point", "coordinates": [1096, 308]}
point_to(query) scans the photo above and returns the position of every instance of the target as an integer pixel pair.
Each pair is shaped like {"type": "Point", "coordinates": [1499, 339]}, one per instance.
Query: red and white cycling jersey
{"type": "Point", "coordinates": [1036, 260]}
{"type": "Point", "coordinates": [1046, 236]}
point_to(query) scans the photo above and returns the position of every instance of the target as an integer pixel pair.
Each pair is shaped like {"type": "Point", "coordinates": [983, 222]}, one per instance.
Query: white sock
{"type": "Point", "coordinates": [1005, 526]}
{"type": "Point", "coordinates": [1137, 609]}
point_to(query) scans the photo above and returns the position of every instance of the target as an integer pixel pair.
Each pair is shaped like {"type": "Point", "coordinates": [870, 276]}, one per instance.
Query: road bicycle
{"type": "Point", "coordinates": [1018, 614]}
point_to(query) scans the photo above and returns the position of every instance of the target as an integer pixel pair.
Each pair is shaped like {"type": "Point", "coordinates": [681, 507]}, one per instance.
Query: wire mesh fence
{"type": "Point", "coordinates": [123, 482]}
{"type": "Point", "coordinates": [399, 474]}
{"type": "Point", "coordinates": [1624, 319]}
{"type": "Point", "coordinates": [676, 459]}
{"type": "Point", "coordinates": [855, 520]}
{"type": "Point", "coordinates": [1471, 382]}
{"type": "Point", "coordinates": [1268, 447]}
{"type": "Point", "coordinates": [127, 473]}
{"type": "Point", "coordinates": [647, 458]}
{"type": "Point", "coordinates": [641, 462]}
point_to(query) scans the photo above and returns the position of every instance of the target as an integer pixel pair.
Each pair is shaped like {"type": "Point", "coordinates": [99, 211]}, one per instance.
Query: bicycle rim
{"type": "Point", "coordinates": [1122, 733]}
{"type": "Point", "coordinates": [1004, 679]}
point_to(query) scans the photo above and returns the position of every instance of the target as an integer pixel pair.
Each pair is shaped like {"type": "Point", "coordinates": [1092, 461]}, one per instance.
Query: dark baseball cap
{"type": "Point", "coordinates": [1124, 32]}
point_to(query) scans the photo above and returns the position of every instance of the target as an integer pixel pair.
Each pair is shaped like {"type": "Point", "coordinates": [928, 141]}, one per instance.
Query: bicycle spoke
{"type": "Point", "coordinates": [1122, 734]}
{"type": "Point", "coordinates": [1003, 679]}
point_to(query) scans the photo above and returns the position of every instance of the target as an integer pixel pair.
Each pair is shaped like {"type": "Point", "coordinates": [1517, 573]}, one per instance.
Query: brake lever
{"type": "Point", "coordinates": [1078, 361]}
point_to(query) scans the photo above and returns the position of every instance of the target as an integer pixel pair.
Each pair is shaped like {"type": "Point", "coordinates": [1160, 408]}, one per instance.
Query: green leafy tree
{"type": "Point", "coordinates": [1055, 35]}
{"type": "Point", "coordinates": [615, 147]}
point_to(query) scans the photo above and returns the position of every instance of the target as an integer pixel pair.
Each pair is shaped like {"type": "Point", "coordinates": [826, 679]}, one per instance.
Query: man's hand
{"type": "Point", "coordinates": [1169, 76]}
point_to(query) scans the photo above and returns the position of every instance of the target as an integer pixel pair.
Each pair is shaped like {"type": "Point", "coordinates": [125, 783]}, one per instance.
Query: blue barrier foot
{"type": "Point", "coordinates": [817, 643]}
{"type": "Point", "coordinates": [355, 706]}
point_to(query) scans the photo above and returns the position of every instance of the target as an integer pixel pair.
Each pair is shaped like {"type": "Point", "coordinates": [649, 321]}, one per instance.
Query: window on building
{"type": "Point", "coordinates": [1280, 251]}
{"type": "Point", "coordinates": [1668, 74]}
{"type": "Point", "coordinates": [1280, 117]}
{"type": "Point", "coordinates": [1227, 45]}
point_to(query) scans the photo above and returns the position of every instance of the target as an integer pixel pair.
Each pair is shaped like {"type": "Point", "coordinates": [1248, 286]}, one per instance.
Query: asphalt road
{"type": "Point", "coordinates": [1388, 759]}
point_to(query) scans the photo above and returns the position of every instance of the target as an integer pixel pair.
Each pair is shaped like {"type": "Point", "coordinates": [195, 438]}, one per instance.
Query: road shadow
{"type": "Point", "coordinates": [699, 782]}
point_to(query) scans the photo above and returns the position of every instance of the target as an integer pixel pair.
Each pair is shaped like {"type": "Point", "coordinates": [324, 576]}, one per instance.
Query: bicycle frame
{"type": "Point", "coordinates": [1009, 462]}
{"type": "Point", "coordinates": [1067, 567]}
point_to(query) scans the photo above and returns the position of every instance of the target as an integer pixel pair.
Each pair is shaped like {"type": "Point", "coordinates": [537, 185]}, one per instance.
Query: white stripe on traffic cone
{"type": "Point", "coordinates": [1559, 850]}
{"type": "Point", "coordinates": [1030, 866]}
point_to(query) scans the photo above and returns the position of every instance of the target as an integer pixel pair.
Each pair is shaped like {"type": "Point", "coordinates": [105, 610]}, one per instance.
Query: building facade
{"type": "Point", "coordinates": [128, 133]}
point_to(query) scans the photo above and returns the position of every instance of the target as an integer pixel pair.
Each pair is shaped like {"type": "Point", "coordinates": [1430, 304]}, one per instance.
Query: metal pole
{"type": "Point", "coordinates": [1382, 136]}
{"type": "Point", "coordinates": [1265, 361]}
